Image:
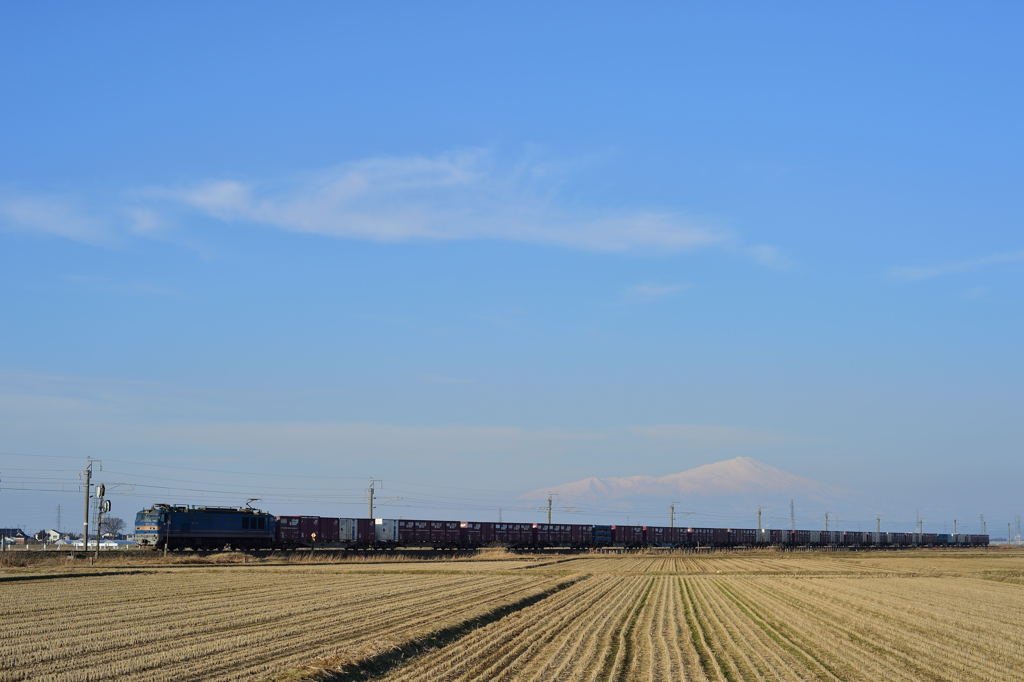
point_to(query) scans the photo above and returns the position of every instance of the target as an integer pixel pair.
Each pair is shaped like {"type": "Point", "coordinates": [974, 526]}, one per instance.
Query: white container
{"type": "Point", "coordinates": [386, 530]}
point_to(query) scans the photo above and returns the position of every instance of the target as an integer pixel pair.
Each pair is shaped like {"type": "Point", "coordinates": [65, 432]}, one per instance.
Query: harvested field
{"type": "Point", "coordinates": [764, 563]}
{"type": "Point", "coordinates": [228, 624]}
{"type": "Point", "coordinates": [731, 616]}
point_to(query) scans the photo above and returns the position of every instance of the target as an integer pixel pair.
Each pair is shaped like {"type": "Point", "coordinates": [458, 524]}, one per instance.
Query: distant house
{"type": "Point", "coordinates": [50, 535]}
{"type": "Point", "coordinates": [13, 536]}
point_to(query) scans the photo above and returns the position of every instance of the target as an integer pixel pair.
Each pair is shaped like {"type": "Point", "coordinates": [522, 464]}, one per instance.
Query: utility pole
{"type": "Point", "coordinates": [760, 527]}
{"type": "Point", "coordinates": [672, 515]}
{"type": "Point", "coordinates": [101, 490]}
{"type": "Point", "coordinates": [499, 514]}
{"type": "Point", "coordinates": [984, 527]}
{"type": "Point", "coordinates": [792, 515]}
{"type": "Point", "coordinates": [87, 477]}
{"type": "Point", "coordinates": [878, 523]}
{"type": "Point", "coordinates": [954, 527]}
{"type": "Point", "coordinates": [826, 521]}
{"type": "Point", "coordinates": [920, 523]}
{"type": "Point", "coordinates": [1008, 532]}
{"type": "Point", "coordinates": [549, 509]}
{"type": "Point", "coordinates": [58, 519]}
{"type": "Point", "coordinates": [370, 493]}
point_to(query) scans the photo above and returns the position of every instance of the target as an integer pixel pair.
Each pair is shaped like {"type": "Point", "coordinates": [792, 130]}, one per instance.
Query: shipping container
{"type": "Point", "coordinates": [581, 535]}
{"type": "Point", "coordinates": [601, 536]}
{"type": "Point", "coordinates": [514, 534]}
{"type": "Point", "coordinates": [429, 533]}
{"type": "Point", "coordinates": [385, 532]}
{"type": "Point", "coordinates": [701, 537]}
{"type": "Point", "coordinates": [297, 531]}
{"type": "Point", "coordinates": [470, 534]}
{"type": "Point", "coordinates": [720, 537]}
{"type": "Point", "coordinates": [328, 532]}
{"type": "Point", "coordinates": [666, 536]}
{"type": "Point", "coordinates": [629, 536]}
{"type": "Point", "coordinates": [743, 537]}
{"type": "Point", "coordinates": [487, 533]}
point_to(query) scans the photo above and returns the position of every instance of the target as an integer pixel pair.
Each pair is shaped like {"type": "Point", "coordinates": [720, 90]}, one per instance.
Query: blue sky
{"type": "Point", "coordinates": [487, 248]}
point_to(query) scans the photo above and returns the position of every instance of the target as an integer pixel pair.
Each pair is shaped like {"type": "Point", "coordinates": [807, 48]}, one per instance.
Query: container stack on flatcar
{"type": "Point", "coordinates": [180, 527]}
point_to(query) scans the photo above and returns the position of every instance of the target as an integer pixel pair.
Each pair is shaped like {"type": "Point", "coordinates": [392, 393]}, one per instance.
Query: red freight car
{"type": "Point", "coordinates": [579, 535]}
{"type": "Point", "coordinates": [700, 537]}
{"type": "Point", "coordinates": [297, 531]}
{"type": "Point", "coordinates": [659, 536]}
{"type": "Point", "coordinates": [720, 537]}
{"type": "Point", "coordinates": [550, 534]}
{"type": "Point", "coordinates": [471, 534]}
{"type": "Point", "coordinates": [629, 536]}
{"type": "Point", "coordinates": [514, 534]}
{"type": "Point", "coordinates": [486, 532]}
{"type": "Point", "coordinates": [428, 533]}
{"type": "Point", "coordinates": [743, 537]}
{"type": "Point", "coordinates": [563, 534]}
{"type": "Point", "coordinates": [328, 532]}
{"type": "Point", "coordinates": [667, 536]}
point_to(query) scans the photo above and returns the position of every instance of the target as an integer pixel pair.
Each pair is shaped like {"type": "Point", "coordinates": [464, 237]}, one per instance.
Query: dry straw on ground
{"type": "Point", "coordinates": [737, 616]}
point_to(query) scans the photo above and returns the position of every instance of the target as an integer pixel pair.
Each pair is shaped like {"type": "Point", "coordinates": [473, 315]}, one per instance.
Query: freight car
{"type": "Point", "coordinates": [179, 527]}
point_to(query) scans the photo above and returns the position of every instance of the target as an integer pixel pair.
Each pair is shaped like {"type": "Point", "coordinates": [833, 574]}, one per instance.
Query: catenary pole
{"type": "Point", "coordinates": [370, 493]}
{"type": "Point", "coordinates": [87, 476]}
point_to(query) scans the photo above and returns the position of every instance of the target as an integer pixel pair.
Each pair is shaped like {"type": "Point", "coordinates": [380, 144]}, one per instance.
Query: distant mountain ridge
{"type": "Point", "coordinates": [737, 476]}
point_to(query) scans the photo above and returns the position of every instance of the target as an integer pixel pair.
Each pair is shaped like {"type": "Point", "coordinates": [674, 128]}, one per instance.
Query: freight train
{"type": "Point", "coordinates": [195, 527]}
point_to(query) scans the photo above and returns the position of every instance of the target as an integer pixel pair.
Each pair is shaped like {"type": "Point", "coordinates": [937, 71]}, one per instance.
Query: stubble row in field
{"type": "Point", "coordinates": [217, 624]}
{"type": "Point", "coordinates": [631, 627]}
{"type": "Point", "coordinates": [766, 563]}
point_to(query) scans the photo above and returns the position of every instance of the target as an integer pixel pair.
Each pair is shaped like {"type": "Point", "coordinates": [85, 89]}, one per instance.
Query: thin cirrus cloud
{"type": "Point", "coordinates": [465, 195]}
{"type": "Point", "coordinates": [456, 196]}
{"type": "Point", "coordinates": [652, 292]}
{"type": "Point", "coordinates": [55, 216]}
{"type": "Point", "coordinates": [933, 271]}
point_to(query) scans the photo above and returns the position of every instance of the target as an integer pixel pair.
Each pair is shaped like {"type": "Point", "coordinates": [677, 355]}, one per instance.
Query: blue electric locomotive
{"type": "Point", "coordinates": [175, 527]}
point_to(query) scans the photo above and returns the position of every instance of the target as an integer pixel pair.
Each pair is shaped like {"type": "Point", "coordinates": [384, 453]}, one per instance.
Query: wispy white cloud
{"type": "Point", "coordinates": [462, 195]}
{"type": "Point", "coordinates": [912, 273]}
{"type": "Point", "coordinates": [456, 196]}
{"type": "Point", "coordinates": [769, 256]}
{"type": "Point", "coordinates": [650, 291]}
{"type": "Point", "coordinates": [57, 216]}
